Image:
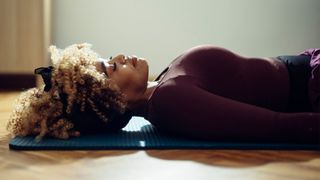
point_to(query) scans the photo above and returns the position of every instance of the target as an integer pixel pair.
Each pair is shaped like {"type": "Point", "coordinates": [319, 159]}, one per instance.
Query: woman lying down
{"type": "Point", "coordinates": [207, 92]}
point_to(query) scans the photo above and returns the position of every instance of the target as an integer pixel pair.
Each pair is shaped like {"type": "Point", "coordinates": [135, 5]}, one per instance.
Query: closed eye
{"type": "Point", "coordinates": [104, 68]}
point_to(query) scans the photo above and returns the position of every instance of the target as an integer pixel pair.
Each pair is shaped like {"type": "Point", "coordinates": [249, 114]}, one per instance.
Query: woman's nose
{"type": "Point", "coordinates": [121, 59]}
{"type": "Point", "coordinates": [120, 56]}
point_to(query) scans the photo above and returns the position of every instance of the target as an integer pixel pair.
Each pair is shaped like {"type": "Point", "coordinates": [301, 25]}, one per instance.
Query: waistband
{"type": "Point", "coordinates": [299, 70]}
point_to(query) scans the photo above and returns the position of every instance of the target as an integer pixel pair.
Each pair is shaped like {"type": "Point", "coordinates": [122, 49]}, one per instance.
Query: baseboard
{"type": "Point", "coordinates": [17, 81]}
{"type": "Point", "coordinates": [23, 81]}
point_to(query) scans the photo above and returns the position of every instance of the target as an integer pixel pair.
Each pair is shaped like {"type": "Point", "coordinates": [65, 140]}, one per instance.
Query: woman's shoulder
{"type": "Point", "coordinates": [172, 88]}
{"type": "Point", "coordinates": [166, 87]}
{"type": "Point", "coordinates": [165, 98]}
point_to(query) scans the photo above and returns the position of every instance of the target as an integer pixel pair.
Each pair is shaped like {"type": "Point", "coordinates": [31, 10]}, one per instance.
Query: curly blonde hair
{"type": "Point", "coordinates": [78, 90]}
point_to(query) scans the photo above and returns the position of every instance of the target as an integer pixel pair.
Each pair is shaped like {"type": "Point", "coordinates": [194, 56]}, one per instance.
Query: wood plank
{"type": "Point", "coordinates": [151, 164]}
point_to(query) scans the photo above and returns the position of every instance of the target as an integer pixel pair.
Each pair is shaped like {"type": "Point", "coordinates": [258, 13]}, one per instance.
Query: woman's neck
{"type": "Point", "coordinates": [140, 105]}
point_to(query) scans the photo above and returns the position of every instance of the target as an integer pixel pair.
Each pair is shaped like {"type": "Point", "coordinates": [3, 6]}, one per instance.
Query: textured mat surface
{"type": "Point", "coordinates": [139, 134]}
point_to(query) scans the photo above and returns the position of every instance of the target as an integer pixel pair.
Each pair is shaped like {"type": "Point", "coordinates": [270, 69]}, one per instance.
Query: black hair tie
{"type": "Point", "coordinates": [45, 73]}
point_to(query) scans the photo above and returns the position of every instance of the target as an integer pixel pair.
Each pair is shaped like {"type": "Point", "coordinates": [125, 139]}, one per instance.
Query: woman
{"type": "Point", "coordinates": [207, 92]}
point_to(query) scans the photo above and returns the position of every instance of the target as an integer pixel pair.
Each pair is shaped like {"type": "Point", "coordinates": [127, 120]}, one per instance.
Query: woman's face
{"type": "Point", "coordinates": [128, 72]}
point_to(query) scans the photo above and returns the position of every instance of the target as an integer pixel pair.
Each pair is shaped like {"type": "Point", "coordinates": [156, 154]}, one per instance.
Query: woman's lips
{"type": "Point", "coordinates": [134, 62]}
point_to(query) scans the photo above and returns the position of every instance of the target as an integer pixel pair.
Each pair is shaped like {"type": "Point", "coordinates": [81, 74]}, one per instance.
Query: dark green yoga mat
{"type": "Point", "coordinates": [140, 134]}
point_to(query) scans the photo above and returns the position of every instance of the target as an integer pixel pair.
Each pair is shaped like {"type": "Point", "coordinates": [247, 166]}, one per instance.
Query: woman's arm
{"type": "Point", "coordinates": [184, 108]}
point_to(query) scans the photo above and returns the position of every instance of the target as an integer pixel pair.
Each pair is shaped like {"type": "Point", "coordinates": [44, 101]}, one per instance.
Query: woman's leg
{"type": "Point", "coordinates": [314, 82]}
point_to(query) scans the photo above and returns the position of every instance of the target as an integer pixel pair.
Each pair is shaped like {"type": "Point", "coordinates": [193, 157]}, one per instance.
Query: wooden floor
{"type": "Point", "coordinates": [151, 164]}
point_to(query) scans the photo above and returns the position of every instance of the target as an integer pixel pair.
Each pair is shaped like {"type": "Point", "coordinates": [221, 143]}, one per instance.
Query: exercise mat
{"type": "Point", "coordinates": [140, 134]}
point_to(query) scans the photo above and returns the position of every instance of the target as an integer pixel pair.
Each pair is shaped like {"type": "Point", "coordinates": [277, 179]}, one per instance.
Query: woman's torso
{"type": "Point", "coordinates": [262, 82]}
